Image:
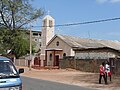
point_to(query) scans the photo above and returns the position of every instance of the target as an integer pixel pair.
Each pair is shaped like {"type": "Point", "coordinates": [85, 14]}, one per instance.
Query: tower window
{"type": "Point", "coordinates": [50, 23]}
{"type": "Point", "coordinates": [45, 23]}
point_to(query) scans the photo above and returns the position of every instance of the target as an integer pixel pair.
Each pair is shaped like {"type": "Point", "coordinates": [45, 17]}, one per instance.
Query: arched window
{"type": "Point", "coordinates": [50, 23]}
{"type": "Point", "coordinates": [50, 56]}
{"type": "Point", "coordinates": [45, 23]}
{"type": "Point", "coordinates": [64, 54]}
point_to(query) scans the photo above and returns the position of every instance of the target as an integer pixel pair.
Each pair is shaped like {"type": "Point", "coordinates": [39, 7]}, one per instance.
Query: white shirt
{"type": "Point", "coordinates": [107, 68]}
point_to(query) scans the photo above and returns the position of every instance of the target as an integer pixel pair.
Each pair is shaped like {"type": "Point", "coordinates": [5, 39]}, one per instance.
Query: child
{"type": "Point", "coordinates": [107, 70]}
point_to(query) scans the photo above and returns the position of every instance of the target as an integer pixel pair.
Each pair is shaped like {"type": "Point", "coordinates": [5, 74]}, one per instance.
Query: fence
{"type": "Point", "coordinates": [21, 62]}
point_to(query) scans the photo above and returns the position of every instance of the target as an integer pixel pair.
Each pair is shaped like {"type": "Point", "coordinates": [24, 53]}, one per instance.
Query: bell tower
{"type": "Point", "coordinates": [47, 34]}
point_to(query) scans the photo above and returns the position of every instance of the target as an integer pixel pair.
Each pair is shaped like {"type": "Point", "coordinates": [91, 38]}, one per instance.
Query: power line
{"type": "Point", "coordinates": [88, 22]}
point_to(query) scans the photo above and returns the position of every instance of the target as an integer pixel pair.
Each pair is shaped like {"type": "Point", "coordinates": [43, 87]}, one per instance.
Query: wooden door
{"type": "Point", "coordinates": [57, 60]}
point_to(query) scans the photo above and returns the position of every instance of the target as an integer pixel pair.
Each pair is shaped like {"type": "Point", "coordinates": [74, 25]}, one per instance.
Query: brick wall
{"type": "Point", "coordinates": [82, 65]}
{"type": "Point", "coordinates": [90, 65]}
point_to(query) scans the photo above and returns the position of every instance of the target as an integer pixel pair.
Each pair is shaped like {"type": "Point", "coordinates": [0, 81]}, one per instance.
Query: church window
{"type": "Point", "coordinates": [64, 54]}
{"type": "Point", "coordinates": [45, 23]}
{"type": "Point", "coordinates": [50, 23]}
{"type": "Point", "coordinates": [57, 43]}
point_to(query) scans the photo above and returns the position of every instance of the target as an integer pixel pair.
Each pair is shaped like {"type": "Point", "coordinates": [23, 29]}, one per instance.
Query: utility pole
{"type": "Point", "coordinates": [30, 58]}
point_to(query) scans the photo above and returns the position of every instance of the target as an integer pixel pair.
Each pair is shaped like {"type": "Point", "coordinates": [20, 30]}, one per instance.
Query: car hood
{"type": "Point", "coordinates": [10, 82]}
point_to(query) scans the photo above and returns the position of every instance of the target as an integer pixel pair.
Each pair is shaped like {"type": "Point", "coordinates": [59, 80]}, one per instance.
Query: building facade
{"type": "Point", "coordinates": [36, 39]}
{"type": "Point", "coordinates": [47, 34]}
{"type": "Point", "coordinates": [53, 47]}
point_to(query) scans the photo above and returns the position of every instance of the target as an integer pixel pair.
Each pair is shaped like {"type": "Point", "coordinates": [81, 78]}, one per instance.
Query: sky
{"type": "Point", "coordinates": [76, 11]}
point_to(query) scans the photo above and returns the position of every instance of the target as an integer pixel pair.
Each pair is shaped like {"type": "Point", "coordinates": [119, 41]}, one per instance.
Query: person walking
{"type": "Point", "coordinates": [102, 73]}
{"type": "Point", "coordinates": [107, 70]}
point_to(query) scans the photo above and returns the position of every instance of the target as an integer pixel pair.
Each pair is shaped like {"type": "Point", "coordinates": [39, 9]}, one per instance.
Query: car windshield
{"type": "Point", "coordinates": [7, 69]}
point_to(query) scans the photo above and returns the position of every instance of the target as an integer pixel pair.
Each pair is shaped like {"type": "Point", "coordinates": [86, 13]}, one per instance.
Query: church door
{"type": "Point", "coordinates": [57, 60]}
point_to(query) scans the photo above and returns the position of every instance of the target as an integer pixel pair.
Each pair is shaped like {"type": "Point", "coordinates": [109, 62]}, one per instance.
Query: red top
{"type": "Point", "coordinates": [102, 70]}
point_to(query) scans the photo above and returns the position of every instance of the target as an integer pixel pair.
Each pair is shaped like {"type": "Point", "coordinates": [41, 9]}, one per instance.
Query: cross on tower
{"type": "Point", "coordinates": [48, 12]}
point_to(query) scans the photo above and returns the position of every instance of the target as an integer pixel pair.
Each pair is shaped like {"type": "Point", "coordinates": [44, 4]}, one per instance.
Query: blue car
{"type": "Point", "coordinates": [9, 76]}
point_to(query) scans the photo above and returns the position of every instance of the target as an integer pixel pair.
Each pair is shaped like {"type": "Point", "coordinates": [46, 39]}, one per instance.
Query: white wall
{"type": "Point", "coordinates": [62, 45]}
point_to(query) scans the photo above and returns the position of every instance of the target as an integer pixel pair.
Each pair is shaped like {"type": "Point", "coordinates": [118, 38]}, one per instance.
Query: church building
{"type": "Point", "coordinates": [55, 47]}
{"type": "Point", "coordinates": [47, 34]}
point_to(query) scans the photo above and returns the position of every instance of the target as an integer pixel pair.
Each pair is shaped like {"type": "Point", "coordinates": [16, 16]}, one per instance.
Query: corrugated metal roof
{"type": "Point", "coordinates": [111, 44]}
{"type": "Point", "coordinates": [89, 43]}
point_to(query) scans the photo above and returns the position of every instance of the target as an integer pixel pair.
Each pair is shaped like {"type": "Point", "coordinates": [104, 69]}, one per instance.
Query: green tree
{"type": "Point", "coordinates": [21, 45]}
{"type": "Point", "coordinates": [5, 40]}
{"type": "Point", "coordinates": [14, 16]}
{"type": "Point", "coordinates": [18, 45]}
